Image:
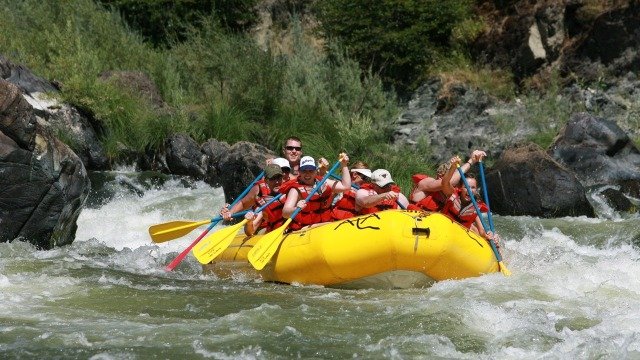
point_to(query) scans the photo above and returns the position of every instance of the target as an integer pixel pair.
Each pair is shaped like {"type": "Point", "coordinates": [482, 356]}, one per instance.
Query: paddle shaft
{"type": "Point", "coordinates": [217, 242]}
{"type": "Point", "coordinates": [184, 253]}
{"type": "Point", "coordinates": [266, 247]}
{"type": "Point", "coordinates": [475, 205]}
{"type": "Point", "coordinates": [485, 195]}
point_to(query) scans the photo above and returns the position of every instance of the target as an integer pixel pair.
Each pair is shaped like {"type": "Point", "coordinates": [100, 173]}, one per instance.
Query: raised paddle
{"type": "Point", "coordinates": [175, 229]}
{"type": "Point", "coordinates": [503, 268]}
{"type": "Point", "coordinates": [266, 247]}
{"type": "Point", "coordinates": [485, 195]}
{"type": "Point", "coordinates": [214, 244]}
{"type": "Point", "coordinates": [184, 253]}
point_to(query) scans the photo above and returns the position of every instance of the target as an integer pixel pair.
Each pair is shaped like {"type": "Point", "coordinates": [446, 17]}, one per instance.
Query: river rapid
{"type": "Point", "coordinates": [574, 294]}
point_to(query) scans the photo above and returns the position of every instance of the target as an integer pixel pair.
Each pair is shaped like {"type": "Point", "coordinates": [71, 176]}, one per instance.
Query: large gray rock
{"type": "Point", "coordinates": [239, 165]}
{"type": "Point", "coordinates": [597, 150]}
{"type": "Point", "coordinates": [184, 156]}
{"type": "Point", "coordinates": [455, 118]}
{"type": "Point", "coordinates": [70, 125]}
{"type": "Point", "coordinates": [527, 181]}
{"type": "Point", "coordinates": [43, 184]}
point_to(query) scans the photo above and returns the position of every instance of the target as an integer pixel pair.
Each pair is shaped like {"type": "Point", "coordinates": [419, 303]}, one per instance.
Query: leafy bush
{"type": "Point", "coordinates": [163, 22]}
{"type": "Point", "coordinates": [399, 39]}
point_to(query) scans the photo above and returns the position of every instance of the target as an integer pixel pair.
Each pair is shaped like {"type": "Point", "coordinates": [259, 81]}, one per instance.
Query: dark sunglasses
{"type": "Point", "coordinates": [291, 148]}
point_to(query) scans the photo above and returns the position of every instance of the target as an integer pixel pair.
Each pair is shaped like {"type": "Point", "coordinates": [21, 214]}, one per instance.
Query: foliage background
{"type": "Point", "coordinates": [218, 82]}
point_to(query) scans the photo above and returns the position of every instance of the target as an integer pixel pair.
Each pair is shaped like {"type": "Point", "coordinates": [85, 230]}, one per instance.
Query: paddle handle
{"type": "Point", "coordinates": [184, 253]}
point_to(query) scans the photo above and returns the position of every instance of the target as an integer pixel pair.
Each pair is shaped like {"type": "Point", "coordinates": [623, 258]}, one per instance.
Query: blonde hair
{"type": "Point", "coordinates": [360, 165]}
{"type": "Point", "coordinates": [442, 169]}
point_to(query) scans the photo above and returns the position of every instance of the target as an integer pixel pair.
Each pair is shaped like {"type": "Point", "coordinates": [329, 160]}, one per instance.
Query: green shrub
{"type": "Point", "coordinates": [399, 39]}
{"type": "Point", "coordinates": [164, 22]}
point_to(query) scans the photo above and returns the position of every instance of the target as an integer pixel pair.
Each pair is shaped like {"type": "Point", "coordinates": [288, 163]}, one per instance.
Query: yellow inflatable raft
{"type": "Point", "coordinates": [389, 249]}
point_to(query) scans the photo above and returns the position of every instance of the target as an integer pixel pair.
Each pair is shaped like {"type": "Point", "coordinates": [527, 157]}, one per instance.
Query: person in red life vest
{"type": "Point", "coordinates": [345, 205]}
{"type": "Point", "coordinates": [427, 191]}
{"type": "Point", "coordinates": [270, 217]}
{"type": "Point", "coordinates": [317, 209]}
{"type": "Point", "coordinates": [459, 206]}
{"type": "Point", "coordinates": [259, 194]}
{"type": "Point", "coordinates": [292, 152]}
{"type": "Point", "coordinates": [381, 194]}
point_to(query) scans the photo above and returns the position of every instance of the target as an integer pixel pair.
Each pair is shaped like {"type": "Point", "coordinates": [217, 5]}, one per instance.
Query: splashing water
{"type": "Point", "coordinates": [574, 293]}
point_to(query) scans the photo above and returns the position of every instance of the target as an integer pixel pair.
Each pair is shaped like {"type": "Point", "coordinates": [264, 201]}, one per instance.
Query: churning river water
{"type": "Point", "coordinates": [574, 294]}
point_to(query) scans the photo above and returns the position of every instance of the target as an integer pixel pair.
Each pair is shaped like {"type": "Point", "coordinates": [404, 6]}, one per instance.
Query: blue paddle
{"type": "Point", "coordinates": [266, 247]}
{"type": "Point", "coordinates": [503, 268]}
{"type": "Point", "coordinates": [184, 253]}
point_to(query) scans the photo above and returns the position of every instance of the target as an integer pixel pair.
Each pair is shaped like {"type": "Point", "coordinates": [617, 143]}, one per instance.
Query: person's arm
{"type": "Point", "coordinates": [253, 222]}
{"type": "Point", "coordinates": [403, 201]}
{"type": "Point", "coordinates": [291, 203]}
{"type": "Point", "coordinates": [475, 157]}
{"type": "Point", "coordinates": [345, 182]}
{"type": "Point", "coordinates": [447, 186]}
{"type": "Point", "coordinates": [478, 228]}
{"type": "Point", "coordinates": [246, 203]}
{"type": "Point", "coordinates": [365, 200]}
{"type": "Point", "coordinates": [323, 165]}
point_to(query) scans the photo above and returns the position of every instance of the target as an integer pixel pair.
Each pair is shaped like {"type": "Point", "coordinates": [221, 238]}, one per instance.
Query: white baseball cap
{"type": "Point", "coordinates": [364, 172]}
{"type": "Point", "coordinates": [381, 177]}
{"type": "Point", "coordinates": [307, 163]}
{"type": "Point", "coordinates": [282, 162]}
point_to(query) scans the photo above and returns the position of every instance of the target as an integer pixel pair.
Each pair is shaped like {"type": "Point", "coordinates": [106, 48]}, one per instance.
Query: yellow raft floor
{"type": "Point", "coordinates": [388, 249]}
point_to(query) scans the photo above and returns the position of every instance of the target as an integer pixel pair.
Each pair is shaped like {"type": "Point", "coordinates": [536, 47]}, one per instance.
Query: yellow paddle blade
{"type": "Point", "coordinates": [173, 229]}
{"type": "Point", "coordinates": [266, 247]}
{"type": "Point", "coordinates": [214, 244]}
{"type": "Point", "coordinates": [503, 269]}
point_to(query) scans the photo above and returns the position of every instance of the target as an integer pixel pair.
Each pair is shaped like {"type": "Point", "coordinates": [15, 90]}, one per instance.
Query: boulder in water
{"type": "Point", "coordinates": [527, 181]}
{"type": "Point", "coordinates": [43, 182]}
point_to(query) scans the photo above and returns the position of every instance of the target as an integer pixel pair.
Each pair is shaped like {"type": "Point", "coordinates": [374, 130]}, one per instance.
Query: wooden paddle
{"type": "Point", "coordinates": [184, 253]}
{"type": "Point", "coordinates": [266, 247]}
{"type": "Point", "coordinates": [175, 229]}
{"type": "Point", "coordinates": [214, 244]}
{"type": "Point", "coordinates": [503, 268]}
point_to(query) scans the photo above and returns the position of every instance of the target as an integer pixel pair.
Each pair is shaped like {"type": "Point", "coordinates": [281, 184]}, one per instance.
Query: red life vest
{"type": "Point", "coordinates": [464, 215]}
{"type": "Point", "coordinates": [384, 205]}
{"type": "Point", "coordinates": [273, 218]}
{"type": "Point", "coordinates": [317, 209]}
{"type": "Point", "coordinates": [264, 193]}
{"type": "Point", "coordinates": [433, 201]}
{"type": "Point", "coordinates": [345, 207]}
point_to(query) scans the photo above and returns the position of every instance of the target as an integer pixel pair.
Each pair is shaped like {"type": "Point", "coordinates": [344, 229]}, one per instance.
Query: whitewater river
{"type": "Point", "coordinates": [574, 294]}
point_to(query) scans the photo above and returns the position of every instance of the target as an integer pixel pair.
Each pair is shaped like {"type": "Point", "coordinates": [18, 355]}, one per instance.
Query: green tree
{"type": "Point", "coordinates": [165, 21]}
{"type": "Point", "coordinates": [398, 39]}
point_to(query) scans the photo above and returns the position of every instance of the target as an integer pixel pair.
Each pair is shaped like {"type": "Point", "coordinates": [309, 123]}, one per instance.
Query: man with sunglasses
{"type": "Point", "coordinates": [292, 151]}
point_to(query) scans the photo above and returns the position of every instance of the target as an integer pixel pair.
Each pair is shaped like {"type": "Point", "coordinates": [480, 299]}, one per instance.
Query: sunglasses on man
{"type": "Point", "coordinates": [291, 148]}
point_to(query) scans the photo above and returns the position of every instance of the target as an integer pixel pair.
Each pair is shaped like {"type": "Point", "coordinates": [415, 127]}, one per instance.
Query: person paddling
{"type": "Point", "coordinates": [317, 209]}
{"type": "Point", "coordinates": [459, 206]}
{"type": "Point", "coordinates": [259, 194]}
{"type": "Point", "coordinates": [381, 194]}
{"type": "Point", "coordinates": [271, 216]}
{"type": "Point", "coordinates": [344, 206]}
{"type": "Point", "coordinates": [427, 191]}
